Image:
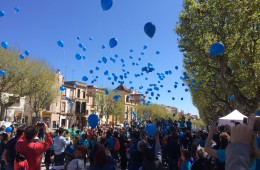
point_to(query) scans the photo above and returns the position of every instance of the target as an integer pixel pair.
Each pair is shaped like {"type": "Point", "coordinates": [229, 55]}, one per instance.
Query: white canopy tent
{"type": "Point", "coordinates": [231, 118]}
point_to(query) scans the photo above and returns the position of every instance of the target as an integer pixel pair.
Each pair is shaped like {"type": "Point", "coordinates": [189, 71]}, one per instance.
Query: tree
{"type": "Point", "coordinates": [213, 80]}
{"type": "Point", "coordinates": [109, 106]}
{"type": "Point", "coordinates": [28, 77]}
{"type": "Point", "coordinates": [15, 79]}
{"type": "Point", "coordinates": [43, 86]}
{"type": "Point", "coordinates": [154, 111]}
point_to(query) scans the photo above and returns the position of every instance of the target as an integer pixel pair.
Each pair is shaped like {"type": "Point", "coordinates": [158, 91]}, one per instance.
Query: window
{"type": "Point", "coordinates": [77, 107]}
{"type": "Point", "coordinates": [84, 95]}
{"type": "Point", "coordinates": [78, 93]}
{"type": "Point", "coordinates": [54, 125]}
{"type": "Point", "coordinates": [83, 107]}
{"type": "Point", "coordinates": [127, 99]}
{"type": "Point", "coordinates": [48, 107]}
{"type": "Point", "coordinates": [63, 105]}
{"type": "Point", "coordinates": [87, 99]}
{"type": "Point", "coordinates": [63, 122]}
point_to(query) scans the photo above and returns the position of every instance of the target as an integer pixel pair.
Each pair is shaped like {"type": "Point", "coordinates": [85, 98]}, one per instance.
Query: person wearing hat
{"type": "Point", "coordinates": [78, 162]}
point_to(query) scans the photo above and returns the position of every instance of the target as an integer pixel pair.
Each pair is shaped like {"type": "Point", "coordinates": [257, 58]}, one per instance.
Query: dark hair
{"type": "Point", "coordinates": [5, 136]}
{"type": "Point", "coordinates": [61, 130]}
{"type": "Point", "coordinates": [30, 132]}
{"type": "Point", "coordinates": [115, 134]}
{"type": "Point", "coordinates": [149, 154]}
{"type": "Point", "coordinates": [108, 134]}
{"type": "Point", "coordinates": [186, 154]}
{"type": "Point", "coordinates": [19, 132]}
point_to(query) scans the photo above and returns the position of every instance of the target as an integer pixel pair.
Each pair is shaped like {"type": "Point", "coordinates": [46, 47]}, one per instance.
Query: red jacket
{"type": "Point", "coordinates": [33, 150]}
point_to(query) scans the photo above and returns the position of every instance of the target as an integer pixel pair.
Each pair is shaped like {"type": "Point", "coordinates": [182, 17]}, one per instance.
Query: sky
{"type": "Point", "coordinates": [40, 24]}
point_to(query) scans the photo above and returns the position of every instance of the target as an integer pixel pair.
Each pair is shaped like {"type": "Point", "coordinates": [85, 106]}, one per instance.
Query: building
{"type": "Point", "coordinates": [13, 113]}
{"type": "Point", "coordinates": [131, 99]}
{"type": "Point", "coordinates": [94, 94]}
{"type": "Point", "coordinates": [80, 102]}
{"type": "Point", "coordinates": [171, 109]}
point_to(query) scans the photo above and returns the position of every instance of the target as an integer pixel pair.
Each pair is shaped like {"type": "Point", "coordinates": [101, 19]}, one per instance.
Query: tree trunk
{"type": "Point", "coordinates": [107, 119]}
{"type": "Point", "coordinates": [113, 123]}
{"type": "Point", "coordinates": [2, 114]}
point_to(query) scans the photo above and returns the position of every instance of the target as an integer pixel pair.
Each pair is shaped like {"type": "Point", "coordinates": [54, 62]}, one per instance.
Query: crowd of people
{"type": "Point", "coordinates": [174, 146]}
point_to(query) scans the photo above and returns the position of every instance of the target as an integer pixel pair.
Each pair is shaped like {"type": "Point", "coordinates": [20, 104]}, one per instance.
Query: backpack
{"type": "Point", "coordinates": [20, 162]}
{"type": "Point", "coordinates": [117, 145]}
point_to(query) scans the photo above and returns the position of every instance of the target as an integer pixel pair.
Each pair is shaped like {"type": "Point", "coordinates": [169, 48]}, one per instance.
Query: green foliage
{"type": "Point", "coordinates": [109, 107]}
{"type": "Point", "coordinates": [30, 78]}
{"type": "Point", "coordinates": [43, 86]}
{"type": "Point", "coordinates": [237, 25]}
{"type": "Point", "coordinates": [154, 111]}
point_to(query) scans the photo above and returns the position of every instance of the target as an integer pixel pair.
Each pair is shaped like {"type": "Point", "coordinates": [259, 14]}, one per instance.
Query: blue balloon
{"type": "Point", "coordinates": [74, 83]}
{"type": "Point", "coordinates": [174, 115]}
{"type": "Point", "coordinates": [157, 52]}
{"type": "Point", "coordinates": [21, 56]}
{"type": "Point", "coordinates": [78, 38]}
{"type": "Point", "coordinates": [78, 56]}
{"type": "Point", "coordinates": [84, 48]}
{"type": "Point", "coordinates": [67, 98]}
{"type": "Point", "coordinates": [91, 71]}
{"type": "Point", "coordinates": [104, 59]}
{"type": "Point", "coordinates": [150, 129]}
{"type": "Point", "coordinates": [90, 38]}
{"type": "Point", "coordinates": [107, 91]}
{"type": "Point", "coordinates": [103, 46]}
{"type": "Point", "coordinates": [232, 97]}
{"type": "Point", "coordinates": [181, 134]}
{"type": "Point", "coordinates": [4, 44]}
{"type": "Point", "coordinates": [8, 129]}
{"type": "Point", "coordinates": [2, 72]}
{"type": "Point", "coordinates": [182, 98]}
{"type": "Point", "coordinates": [62, 88]}
{"type": "Point", "coordinates": [85, 78]}
{"type": "Point", "coordinates": [71, 103]}
{"type": "Point", "coordinates": [97, 68]}
{"type": "Point", "coordinates": [145, 47]}
{"type": "Point", "coordinates": [93, 120]}
{"type": "Point", "coordinates": [149, 29]}
{"type": "Point", "coordinates": [106, 73]}
{"type": "Point", "coordinates": [60, 43]}
{"type": "Point", "coordinates": [106, 4]}
{"type": "Point", "coordinates": [2, 13]}
{"type": "Point", "coordinates": [216, 49]}
{"type": "Point", "coordinates": [80, 45]}
{"type": "Point", "coordinates": [27, 52]}
{"type": "Point", "coordinates": [17, 9]}
{"type": "Point", "coordinates": [112, 42]}
{"type": "Point", "coordinates": [176, 67]}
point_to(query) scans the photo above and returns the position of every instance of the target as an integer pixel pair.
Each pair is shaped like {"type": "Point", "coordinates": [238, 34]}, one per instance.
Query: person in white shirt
{"type": "Point", "coordinates": [60, 144]}
{"type": "Point", "coordinates": [78, 162]}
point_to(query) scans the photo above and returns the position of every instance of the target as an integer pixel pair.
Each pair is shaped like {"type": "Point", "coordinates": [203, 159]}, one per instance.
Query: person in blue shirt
{"type": "Point", "coordinates": [186, 155]}
{"type": "Point", "coordinates": [188, 123]}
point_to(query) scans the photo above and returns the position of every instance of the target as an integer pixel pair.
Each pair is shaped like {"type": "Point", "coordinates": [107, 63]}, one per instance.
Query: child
{"type": "Point", "coordinates": [78, 162]}
{"type": "Point", "coordinates": [185, 155]}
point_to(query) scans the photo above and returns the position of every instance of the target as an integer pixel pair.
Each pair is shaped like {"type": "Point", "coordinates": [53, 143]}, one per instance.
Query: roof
{"type": "Point", "coordinates": [122, 88]}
